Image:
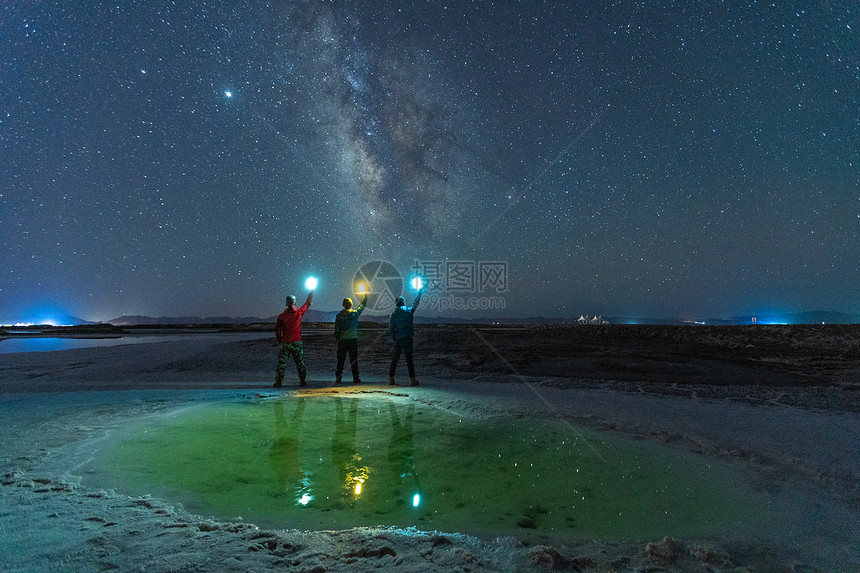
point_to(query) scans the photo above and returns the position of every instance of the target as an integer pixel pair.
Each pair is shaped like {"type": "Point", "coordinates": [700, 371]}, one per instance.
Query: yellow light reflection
{"type": "Point", "coordinates": [356, 477]}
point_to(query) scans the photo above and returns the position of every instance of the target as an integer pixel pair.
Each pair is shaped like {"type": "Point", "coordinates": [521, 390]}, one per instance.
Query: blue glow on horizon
{"type": "Point", "coordinates": [44, 314]}
{"type": "Point", "coordinates": [770, 319]}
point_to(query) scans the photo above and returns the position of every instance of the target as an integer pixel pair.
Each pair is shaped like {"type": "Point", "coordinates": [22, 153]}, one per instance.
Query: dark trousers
{"type": "Point", "coordinates": [350, 346]}
{"type": "Point", "coordinates": [402, 345]}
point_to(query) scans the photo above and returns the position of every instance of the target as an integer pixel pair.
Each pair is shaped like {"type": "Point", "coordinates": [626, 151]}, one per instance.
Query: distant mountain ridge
{"type": "Point", "coordinates": [808, 317]}
{"type": "Point", "coordinates": [811, 317]}
{"type": "Point", "coordinates": [312, 315]}
{"type": "Point", "coordinates": [142, 320]}
{"type": "Point", "coordinates": [827, 317]}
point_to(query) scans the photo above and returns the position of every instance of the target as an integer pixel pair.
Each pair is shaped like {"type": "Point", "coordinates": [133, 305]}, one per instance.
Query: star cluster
{"type": "Point", "coordinates": [651, 158]}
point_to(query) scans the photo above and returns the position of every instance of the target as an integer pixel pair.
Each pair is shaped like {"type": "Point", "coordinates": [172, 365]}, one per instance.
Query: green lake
{"type": "Point", "coordinates": [323, 462]}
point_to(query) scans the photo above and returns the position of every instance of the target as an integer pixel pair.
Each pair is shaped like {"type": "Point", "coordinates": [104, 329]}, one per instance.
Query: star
{"type": "Point", "coordinates": [607, 183]}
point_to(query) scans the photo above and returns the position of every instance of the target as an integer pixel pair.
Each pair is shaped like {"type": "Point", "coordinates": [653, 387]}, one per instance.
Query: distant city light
{"type": "Point", "coordinates": [45, 315]}
{"type": "Point", "coordinates": [45, 322]}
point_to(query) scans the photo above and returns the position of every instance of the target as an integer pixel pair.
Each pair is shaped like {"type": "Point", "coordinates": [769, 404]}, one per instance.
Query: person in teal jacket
{"type": "Point", "coordinates": [346, 333]}
{"type": "Point", "coordinates": [400, 329]}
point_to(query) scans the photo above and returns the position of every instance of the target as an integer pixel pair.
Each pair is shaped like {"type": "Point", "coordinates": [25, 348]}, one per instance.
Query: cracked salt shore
{"type": "Point", "coordinates": [798, 444]}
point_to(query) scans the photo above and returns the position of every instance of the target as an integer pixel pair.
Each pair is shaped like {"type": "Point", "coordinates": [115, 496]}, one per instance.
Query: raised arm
{"type": "Point", "coordinates": [361, 305]}
{"type": "Point", "coordinates": [307, 304]}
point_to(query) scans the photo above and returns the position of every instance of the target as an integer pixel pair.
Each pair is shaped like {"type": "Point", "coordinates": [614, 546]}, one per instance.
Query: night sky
{"type": "Point", "coordinates": [679, 159]}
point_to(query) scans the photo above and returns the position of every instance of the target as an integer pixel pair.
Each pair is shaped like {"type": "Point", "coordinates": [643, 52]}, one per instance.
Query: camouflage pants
{"type": "Point", "coordinates": [295, 350]}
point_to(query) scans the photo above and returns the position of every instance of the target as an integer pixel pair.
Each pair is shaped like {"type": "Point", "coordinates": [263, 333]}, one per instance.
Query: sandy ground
{"type": "Point", "coordinates": [782, 404]}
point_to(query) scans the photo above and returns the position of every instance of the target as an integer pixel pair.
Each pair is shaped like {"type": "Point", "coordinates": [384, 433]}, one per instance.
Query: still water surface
{"type": "Point", "coordinates": [47, 344]}
{"type": "Point", "coordinates": [328, 462]}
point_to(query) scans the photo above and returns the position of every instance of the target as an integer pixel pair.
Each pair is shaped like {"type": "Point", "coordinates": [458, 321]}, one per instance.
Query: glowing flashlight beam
{"type": "Point", "coordinates": [416, 500]}
{"type": "Point", "coordinates": [417, 283]}
{"type": "Point", "coordinates": [361, 288]}
{"type": "Point", "coordinates": [311, 283]}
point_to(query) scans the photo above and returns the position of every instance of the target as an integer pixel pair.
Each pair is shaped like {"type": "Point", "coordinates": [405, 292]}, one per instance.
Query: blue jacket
{"type": "Point", "coordinates": [400, 323]}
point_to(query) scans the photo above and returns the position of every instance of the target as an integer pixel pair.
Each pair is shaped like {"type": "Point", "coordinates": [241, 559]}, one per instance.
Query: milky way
{"type": "Point", "coordinates": [559, 158]}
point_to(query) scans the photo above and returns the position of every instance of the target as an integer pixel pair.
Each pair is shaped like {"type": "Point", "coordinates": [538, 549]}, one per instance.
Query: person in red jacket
{"type": "Point", "coordinates": [288, 332]}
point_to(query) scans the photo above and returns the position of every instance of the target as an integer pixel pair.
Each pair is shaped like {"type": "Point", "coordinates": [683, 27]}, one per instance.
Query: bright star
{"type": "Point", "coordinates": [228, 94]}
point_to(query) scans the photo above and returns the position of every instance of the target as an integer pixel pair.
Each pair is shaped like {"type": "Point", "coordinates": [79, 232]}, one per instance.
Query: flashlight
{"type": "Point", "coordinates": [311, 283]}
{"type": "Point", "coordinates": [417, 283]}
{"type": "Point", "coordinates": [361, 288]}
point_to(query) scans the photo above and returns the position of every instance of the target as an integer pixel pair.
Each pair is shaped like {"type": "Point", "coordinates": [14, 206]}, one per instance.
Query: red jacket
{"type": "Point", "coordinates": [289, 325]}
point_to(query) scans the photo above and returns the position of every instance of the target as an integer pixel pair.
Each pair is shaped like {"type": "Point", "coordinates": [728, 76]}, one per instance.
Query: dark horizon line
{"type": "Point", "coordinates": [314, 315]}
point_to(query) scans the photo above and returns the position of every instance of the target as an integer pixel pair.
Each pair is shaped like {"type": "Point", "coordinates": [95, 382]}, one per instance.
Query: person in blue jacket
{"type": "Point", "coordinates": [400, 329]}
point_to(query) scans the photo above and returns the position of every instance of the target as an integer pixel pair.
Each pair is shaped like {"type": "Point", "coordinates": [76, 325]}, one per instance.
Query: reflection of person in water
{"type": "Point", "coordinates": [353, 472]}
{"type": "Point", "coordinates": [284, 452]}
{"type": "Point", "coordinates": [401, 453]}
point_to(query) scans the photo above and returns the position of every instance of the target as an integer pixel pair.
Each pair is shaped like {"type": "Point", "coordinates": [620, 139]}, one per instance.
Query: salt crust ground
{"type": "Point", "coordinates": [49, 522]}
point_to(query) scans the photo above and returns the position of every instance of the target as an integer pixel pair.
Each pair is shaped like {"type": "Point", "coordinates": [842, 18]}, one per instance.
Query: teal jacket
{"type": "Point", "coordinates": [400, 322]}
{"type": "Point", "coordinates": [346, 322]}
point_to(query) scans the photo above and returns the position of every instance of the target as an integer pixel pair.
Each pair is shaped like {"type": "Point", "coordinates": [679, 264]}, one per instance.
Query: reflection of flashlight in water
{"type": "Point", "coordinates": [305, 499]}
{"type": "Point", "coordinates": [416, 500]}
{"type": "Point", "coordinates": [311, 283]}
{"type": "Point", "coordinates": [417, 283]}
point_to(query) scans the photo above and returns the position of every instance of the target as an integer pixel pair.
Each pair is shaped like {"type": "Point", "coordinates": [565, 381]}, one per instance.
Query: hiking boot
{"type": "Point", "coordinates": [413, 382]}
{"type": "Point", "coordinates": [391, 380]}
